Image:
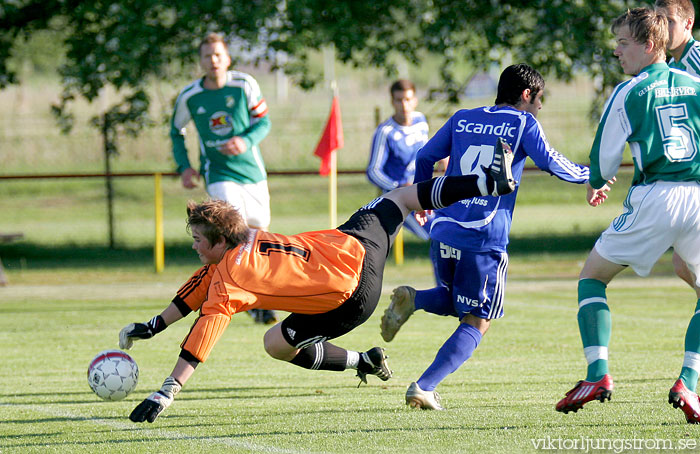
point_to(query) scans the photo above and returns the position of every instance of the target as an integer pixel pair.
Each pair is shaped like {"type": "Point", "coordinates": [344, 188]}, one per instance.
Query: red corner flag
{"type": "Point", "coordinates": [332, 138]}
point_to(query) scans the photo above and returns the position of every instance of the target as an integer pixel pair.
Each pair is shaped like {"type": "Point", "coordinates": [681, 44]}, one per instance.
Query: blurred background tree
{"type": "Point", "coordinates": [124, 44]}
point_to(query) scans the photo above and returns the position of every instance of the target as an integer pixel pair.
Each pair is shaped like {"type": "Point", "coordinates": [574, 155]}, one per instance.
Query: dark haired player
{"type": "Point", "coordinates": [395, 143]}
{"type": "Point", "coordinates": [469, 239]}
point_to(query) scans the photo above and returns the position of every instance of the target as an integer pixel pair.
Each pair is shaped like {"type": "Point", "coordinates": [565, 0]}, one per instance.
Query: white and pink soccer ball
{"type": "Point", "coordinates": [113, 374]}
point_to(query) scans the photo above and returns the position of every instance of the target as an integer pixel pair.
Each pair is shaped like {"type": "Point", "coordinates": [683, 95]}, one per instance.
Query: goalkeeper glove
{"type": "Point", "coordinates": [136, 331]}
{"type": "Point", "coordinates": [153, 405]}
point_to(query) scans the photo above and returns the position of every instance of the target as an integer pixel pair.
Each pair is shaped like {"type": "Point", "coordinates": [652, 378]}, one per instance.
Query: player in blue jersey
{"type": "Point", "coordinates": [685, 55]}
{"type": "Point", "coordinates": [470, 238]}
{"type": "Point", "coordinates": [657, 113]}
{"type": "Point", "coordinates": [396, 141]}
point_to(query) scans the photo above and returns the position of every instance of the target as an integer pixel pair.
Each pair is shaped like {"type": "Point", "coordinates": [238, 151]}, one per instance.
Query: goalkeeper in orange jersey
{"type": "Point", "coordinates": [329, 280]}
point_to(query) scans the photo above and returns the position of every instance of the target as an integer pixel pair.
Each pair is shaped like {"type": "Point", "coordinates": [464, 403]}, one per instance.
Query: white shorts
{"type": "Point", "coordinates": [251, 200]}
{"type": "Point", "coordinates": [658, 216]}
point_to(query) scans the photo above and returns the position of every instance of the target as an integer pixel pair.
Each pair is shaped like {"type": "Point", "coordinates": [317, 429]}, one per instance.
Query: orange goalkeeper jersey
{"type": "Point", "coordinates": [193, 293]}
{"type": "Point", "coordinates": [309, 273]}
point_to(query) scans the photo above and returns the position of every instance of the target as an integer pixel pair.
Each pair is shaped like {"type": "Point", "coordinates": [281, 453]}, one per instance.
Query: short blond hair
{"type": "Point", "coordinates": [646, 25]}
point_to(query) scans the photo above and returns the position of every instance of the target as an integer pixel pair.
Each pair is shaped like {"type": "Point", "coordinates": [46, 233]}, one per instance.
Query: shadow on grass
{"type": "Point", "coordinates": [38, 256]}
{"type": "Point", "coordinates": [557, 244]}
{"type": "Point", "coordinates": [526, 245]}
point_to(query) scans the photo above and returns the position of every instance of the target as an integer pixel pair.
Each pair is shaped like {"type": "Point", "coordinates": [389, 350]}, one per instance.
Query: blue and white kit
{"type": "Point", "coordinates": [476, 231]}
{"type": "Point", "coordinates": [392, 159]}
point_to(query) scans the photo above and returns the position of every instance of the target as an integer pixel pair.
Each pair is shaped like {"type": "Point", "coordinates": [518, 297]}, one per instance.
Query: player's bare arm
{"type": "Point", "coordinates": [189, 178]}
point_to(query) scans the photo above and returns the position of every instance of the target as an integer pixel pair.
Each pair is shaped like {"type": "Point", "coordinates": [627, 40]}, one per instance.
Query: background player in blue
{"type": "Point", "coordinates": [470, 238]}
{"type": "Point", "coordinates": [396, 141]}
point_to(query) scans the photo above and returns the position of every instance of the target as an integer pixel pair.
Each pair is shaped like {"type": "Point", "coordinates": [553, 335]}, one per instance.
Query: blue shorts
{"type": "Point", "coordinates": [476, 281]}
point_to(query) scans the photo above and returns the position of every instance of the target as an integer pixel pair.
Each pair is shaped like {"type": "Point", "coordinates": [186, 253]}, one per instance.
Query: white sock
{"type": "Point", "coordinates": [691, 360]}
{"type": "Point", "coordinates": [352, 360]}
{"type": "Point", "coordinates": [595, 352]}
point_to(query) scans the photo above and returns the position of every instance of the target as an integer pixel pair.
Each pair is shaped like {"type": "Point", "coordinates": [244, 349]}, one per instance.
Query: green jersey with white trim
{"type": "Point", "coordinates": [236, 109]}
{"type": "Point", "coordinates": [690, 59]}
{"type": "Point", "coordinates": [658, 114]}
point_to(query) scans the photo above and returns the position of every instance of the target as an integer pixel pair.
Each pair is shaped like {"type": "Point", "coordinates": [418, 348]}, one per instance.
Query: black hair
{"type": "Point", "coordinates": [401, 85]}
{"type": "Point", "coordinates": [514, 80]}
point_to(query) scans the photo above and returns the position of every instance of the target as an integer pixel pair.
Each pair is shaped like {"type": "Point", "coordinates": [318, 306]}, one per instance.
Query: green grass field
{"type": "Point", "coordinates": [69, 297]}
{"type": "Point", "coordinates": [240, 400]}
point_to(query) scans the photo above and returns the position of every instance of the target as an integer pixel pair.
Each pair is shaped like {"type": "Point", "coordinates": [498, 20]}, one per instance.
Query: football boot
{"type": "Point", "coordinates": [586, 391]}
{"type": "Point", "coordinates": [425, 400]}
{"type": "Point", "coordinates": [400, 308]}
{"type": "Point", "coordinates": [681, 397]}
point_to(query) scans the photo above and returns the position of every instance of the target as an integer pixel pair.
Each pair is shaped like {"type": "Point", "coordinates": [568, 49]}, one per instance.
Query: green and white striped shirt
{"type": "Point", "coordinates": [237, 109]}
{"type": "Point", "coordinates": [690, 60]}
{"type": "Point", "coordinates": [658, 114]}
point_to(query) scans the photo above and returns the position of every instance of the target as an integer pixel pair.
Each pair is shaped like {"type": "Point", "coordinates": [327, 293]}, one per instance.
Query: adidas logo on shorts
{"type": "Point", "coordinates": [371, 204]}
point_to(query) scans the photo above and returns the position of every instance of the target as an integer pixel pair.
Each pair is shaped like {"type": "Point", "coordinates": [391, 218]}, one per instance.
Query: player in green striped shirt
{"type": "Point", "coordinates": [230, 115]}
{"type": "Point", "coordinates": [658, 114]}
{"type": "Point", "coordinates": [684, 50]}
{"type": "Point", "coordinates": [685, 55]}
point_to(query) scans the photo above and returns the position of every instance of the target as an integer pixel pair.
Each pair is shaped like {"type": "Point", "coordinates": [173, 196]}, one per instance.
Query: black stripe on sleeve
{"type": "Point", "coordinates": [182, 306]}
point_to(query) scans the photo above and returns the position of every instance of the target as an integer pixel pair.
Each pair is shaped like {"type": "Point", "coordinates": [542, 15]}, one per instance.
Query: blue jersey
{"type": "Point", "coordinates": [469, 138]}
{"type": "Point", "coordinates": [393, 154]}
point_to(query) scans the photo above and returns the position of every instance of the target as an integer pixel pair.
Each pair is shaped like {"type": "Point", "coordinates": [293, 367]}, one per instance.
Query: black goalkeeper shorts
{"type": "Point", "coordinates": [375, 225]}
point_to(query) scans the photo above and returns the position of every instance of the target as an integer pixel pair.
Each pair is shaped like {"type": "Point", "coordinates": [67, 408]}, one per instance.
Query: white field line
{"type": "Point", "coordinates": [149, 432]}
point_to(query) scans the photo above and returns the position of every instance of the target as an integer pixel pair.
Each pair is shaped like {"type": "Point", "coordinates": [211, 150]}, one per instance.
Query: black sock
{"type": "Point", "coordinates": [444, 191]}
{"type": "Point", "coordinates": [321, 356]}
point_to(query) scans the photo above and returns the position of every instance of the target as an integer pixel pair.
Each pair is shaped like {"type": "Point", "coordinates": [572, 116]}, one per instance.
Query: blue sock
{"type": "Point", "coordinates": [436, 301]}
{"type": "Point", "coordinates": [453, 353]}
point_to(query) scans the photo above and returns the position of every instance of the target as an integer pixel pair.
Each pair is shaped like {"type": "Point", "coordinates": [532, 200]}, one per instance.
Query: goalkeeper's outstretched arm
{"type": "Point", "coordinates": [136, 331]}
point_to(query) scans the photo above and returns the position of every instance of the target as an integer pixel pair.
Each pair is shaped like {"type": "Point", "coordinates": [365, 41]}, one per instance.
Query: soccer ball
{"type": "Point", "coordinates": [113, 374]}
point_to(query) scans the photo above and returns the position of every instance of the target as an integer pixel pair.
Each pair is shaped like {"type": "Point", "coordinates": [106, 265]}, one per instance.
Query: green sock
{"type": "Point", "coordinates": [594, 323]}
{"type": "Point", "coordinates": [689, 375]}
